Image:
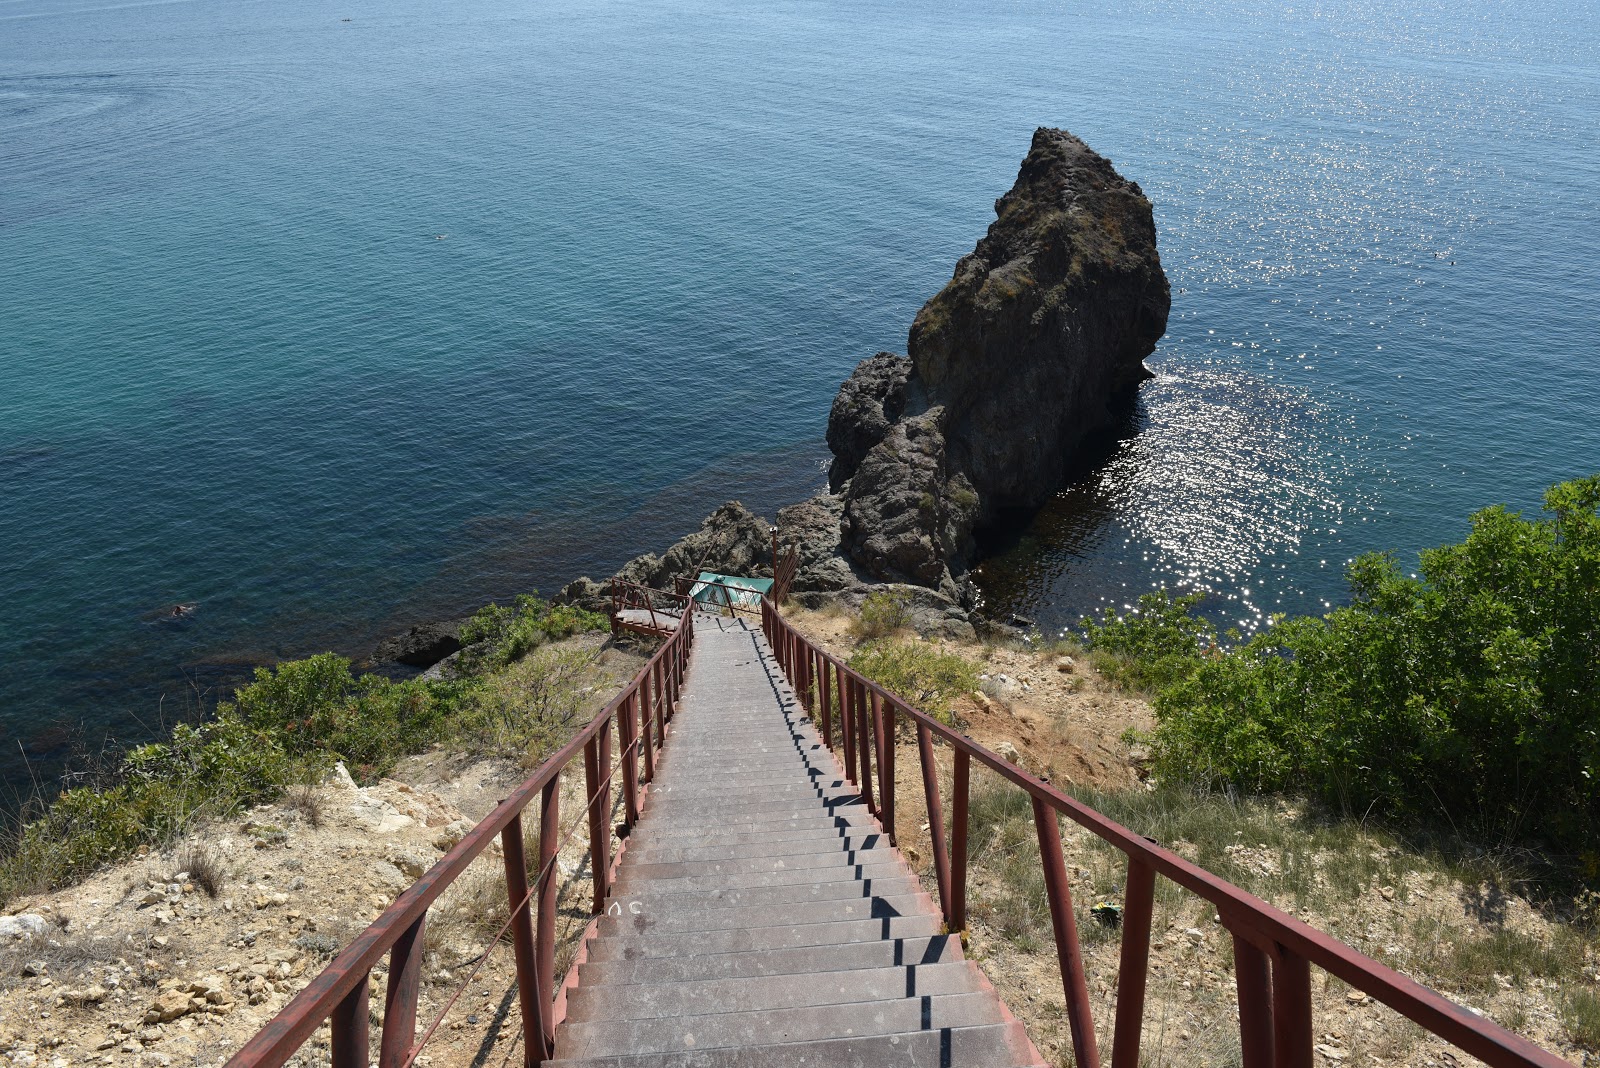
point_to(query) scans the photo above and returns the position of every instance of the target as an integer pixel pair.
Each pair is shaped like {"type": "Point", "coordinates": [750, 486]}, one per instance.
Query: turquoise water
{"type": "Point", "coordinates": [330, 325]}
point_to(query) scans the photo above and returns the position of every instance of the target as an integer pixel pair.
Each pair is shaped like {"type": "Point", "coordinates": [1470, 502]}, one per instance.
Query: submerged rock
{"type": "Point", "coordinates": [1021, 356]}
{"type": "Point", "coordinates": [423, 645]}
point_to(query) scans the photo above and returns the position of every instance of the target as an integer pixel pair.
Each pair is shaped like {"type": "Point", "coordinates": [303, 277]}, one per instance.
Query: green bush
{"type": "Point", "coordinates": [924, 676]}
{"type": "Point", "coordinates": [1471, 691]}
{"type": "Point", "coordinates": [497, 636]}
{"type": "Point", "coordinates": [882, 613]}
{"type": "Point", "coordinates": [1154, 645]}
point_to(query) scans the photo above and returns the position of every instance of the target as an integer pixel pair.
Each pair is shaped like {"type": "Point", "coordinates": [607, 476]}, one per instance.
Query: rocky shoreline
{"type": "Point", "coordinates": [1029, 350]}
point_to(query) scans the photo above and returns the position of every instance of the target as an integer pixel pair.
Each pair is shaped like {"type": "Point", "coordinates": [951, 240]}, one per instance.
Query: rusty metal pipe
{"type": "Point", "coordinates": [400, 997]}
{"type": "Point", "coordinates": [549, 841]}
{"type": "Point", "coordinates": [599, 834]}
{"type": "Point", "coordinates": [535, 1049]}
{"type": "Point", "coordinates": [1291, 1010]}
{"type": "Point", "coordinates": [349, 1024]}
{"type": "Point", "coordinates": [930, 789]}
{"type": "Point", "coordinates": [1068, 951]}
{"type": "Point", "coordinates": [960, 791]}
{"type": "Point", "coordinates": [1252, 974]}
{"type": "Point", "coordinates": [1138, 902]}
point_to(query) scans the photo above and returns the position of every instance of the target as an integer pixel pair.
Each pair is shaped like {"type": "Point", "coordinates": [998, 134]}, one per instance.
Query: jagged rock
{"type": "Point", "coordinates": [23, 927]}
{"type": "Point", "coordinates": [1011, 366]}
{"type": "Point", "coordinates": [731, 540]}
{"type": "Point", "coordinates": [169, 1006]}
{"type": "Point", "coordinates": [812, 526]}
{"type": "Point", "coordinates": [423, 645]}
{"type": "Point", "coordinates": [871, 400]}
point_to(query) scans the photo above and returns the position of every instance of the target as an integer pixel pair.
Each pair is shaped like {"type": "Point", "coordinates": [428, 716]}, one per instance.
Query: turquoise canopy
{"type": "Point", "coordinates": [745, 592]}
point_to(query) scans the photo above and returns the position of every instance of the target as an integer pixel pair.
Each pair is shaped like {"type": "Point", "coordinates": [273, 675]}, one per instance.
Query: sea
{"type": "Point", "coordinates": [329, 317]}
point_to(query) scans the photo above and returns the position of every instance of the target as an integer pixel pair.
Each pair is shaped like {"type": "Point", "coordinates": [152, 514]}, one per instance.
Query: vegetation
{"type": "Point", "coordinates": [926, 676]}
{"type": "Point", "coordinates": [882, 613]}
{"type": "Point", "coordinates": [286, 729]}
{"type": "Point", "coordinates": [1468, 693]}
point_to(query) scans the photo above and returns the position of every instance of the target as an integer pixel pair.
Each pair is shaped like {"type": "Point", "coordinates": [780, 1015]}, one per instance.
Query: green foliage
{"type": "Point", "coordinates": [1580, 1011]}
{"type": "Point", "coordinates": [497, 636]}
{"type": "Point", "coordinates": [528, 710]}
{"type": "Point", "coordinates": [1471, 691]}
{"type": "Point", "coordinates": [1155, 645]}
{"type": "Point", "coordinates": [882, 613]}
{"type": "Point", "coordinates": [214, 768]}
{"type": "Point", "coordinates": [927, 678]}
{"type": "Point", "coordinates": [316, 706]}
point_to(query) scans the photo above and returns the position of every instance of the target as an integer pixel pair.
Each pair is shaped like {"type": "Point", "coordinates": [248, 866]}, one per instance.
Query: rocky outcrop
{"type": "Point", "coordinates": [1024, 354]}
{"type": "Point", "coordinates": [731, 541]}
{"type": "Point", "coordinates": [423, 645]}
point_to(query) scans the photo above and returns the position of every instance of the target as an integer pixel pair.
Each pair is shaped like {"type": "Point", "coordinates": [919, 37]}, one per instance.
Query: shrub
{"type": "Point", "coordinates": [1154, 645]}
{"type": "Point", "coordinates": [1471, 690]}
{"type": "Point", "coordinates": [882, 613]}
{"type": "Point", "coordinates": [924, 676]}
{"type": "Point", "coordinates": [497, 636]}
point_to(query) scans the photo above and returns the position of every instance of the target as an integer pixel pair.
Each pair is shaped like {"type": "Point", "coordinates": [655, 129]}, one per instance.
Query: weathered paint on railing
{"type": "Point", "coordinates": [642, 711]}
{"type": "Point", "coordinates": [1273, 951]}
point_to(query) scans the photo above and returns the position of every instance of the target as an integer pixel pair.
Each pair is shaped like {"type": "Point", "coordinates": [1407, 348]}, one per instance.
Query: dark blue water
{"type": "Point", "coordinates": [329, 325]}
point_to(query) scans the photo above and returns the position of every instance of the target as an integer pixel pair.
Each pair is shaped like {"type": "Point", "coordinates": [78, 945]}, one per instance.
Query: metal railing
{"type": "Point", "coordinates": [339, 994]}
{"type": "Point", "coordinates": [1273, 952]}
{"type": "Point", "coordinates": [662, 608]}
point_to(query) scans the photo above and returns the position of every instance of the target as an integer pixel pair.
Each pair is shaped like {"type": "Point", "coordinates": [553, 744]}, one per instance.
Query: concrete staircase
{"type": "Point", "coordinates": [760, 916]}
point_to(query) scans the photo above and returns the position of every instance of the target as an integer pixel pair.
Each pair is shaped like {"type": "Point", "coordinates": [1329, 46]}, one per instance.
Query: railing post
{"type": "Point", "coordinates": [599, 833]}
{"type": "Point", "coordinates": [1065, 925]}
{"type": "Point", "coordinates": [930, 789]}
{"type": "Point", "coordinates": [659, 687]}
{"type": "Point", "coordinates": [885, 743]}
{"type": "Point", "coordinates": [1138, 901]}
{"type": "Point", "coordinates": [847, 722]}
{"type": "Point", "coordinates": [888, 766]}
{"type": "Point", "coordinates": [1291, 1009]}
{"type": "Point", "coordinates": [548, 890]}
{"type": "Point", "coordinates": [626, 756]}
{"type": "Point", "coordinates": [864, 746]}
{"type": "Point", "coordinates": [400, 997]}
{"type": "Point", "coordinates": [535, 1050]}
{"type": "Point", "coordinates": [1252, 974]}
{"type": "Point", "coordinates": [960, 788]}
{"type": "Point", "coordinates": [646, 749]}
{"type": "Point", "coordinates": [825, 705]}
{"type": "Point", "coordinates": [349, 1025]}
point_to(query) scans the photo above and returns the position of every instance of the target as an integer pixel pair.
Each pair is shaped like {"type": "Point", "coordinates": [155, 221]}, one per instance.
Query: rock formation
{"type": "Point", "coordinates": [1011, 366]}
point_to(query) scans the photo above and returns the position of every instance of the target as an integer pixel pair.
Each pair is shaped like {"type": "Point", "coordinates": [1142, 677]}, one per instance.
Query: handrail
{"type": "Point", "coordinates": [1272, 950]}
{"type": "Point", "coordinates": [626, 595]}
{"type": "Point", "coordinates": [643, 709]}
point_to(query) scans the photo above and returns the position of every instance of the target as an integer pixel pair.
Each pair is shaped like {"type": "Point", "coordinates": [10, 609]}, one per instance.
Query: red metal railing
{"type": "Point", "coordinates": [642, 712]}
{"type": "Point", "coordinates": [662, 608]}
{"type": "Point", "coordinates": [1273, 952]}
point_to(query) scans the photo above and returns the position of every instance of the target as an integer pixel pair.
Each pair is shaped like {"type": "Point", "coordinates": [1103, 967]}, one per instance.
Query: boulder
{"type": "Point", "coordinates": [422, 645]}
{"type": "Point", "coordinates": [1023, 355]}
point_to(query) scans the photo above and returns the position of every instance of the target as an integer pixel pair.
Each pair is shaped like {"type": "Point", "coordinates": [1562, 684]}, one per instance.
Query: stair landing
{"type": "Point", "coordinates": [760, 915]}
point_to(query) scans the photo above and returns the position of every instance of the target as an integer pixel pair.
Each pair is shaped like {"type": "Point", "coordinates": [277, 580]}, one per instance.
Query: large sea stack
{"type": "Point", "coordinates": [1042, 330]}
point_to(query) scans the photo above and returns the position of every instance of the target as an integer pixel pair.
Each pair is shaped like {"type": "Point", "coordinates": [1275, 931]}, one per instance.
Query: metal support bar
{"type": "Point", "coordinates": [1252, 974]}
{"type": "Point", "coordinates": [864, 748]}
{"type": "Point", "coordinates": [400, 996]}
{"type": "Point", "coordinates": [960, 789]}
{"type": "Point", "coordinates": [646, 749]}
{"type": "Point", "coordinates": [1068, 951]}
{"type": "Point", "coordinates": [930, 789]}
{"type": "Point", "coordinates": [627, 726]}
{"type": "Point", "coordinates": [1291, 1009]}
{"type": "Point", "coordinates": [1138, 901]}
{"type": "Point", "coordinates": [549, 840]}
{"type": "Point", "coordinates": [888, 764]}
{"type": "Point", "coordinates": [599, 833]}
{"type": "Point", "coordinates": [349, 1025]}
{"type": "Point", "coordinates": [535, 1050]}
{"type": "Point", "coordinates": [885, 743]}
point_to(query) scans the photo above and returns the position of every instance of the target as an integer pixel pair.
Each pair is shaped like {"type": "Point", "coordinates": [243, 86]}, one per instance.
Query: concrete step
{"type": "Point", "coordinates": [735, 897]}
{"type": "Point", "coordinates": [666, 869]}
{"type": "Point", "coordinates": [644, 1001]}
{"type": "Point", "coordinates": [774, 1026]}
{"type": "Point", "coordinates": [985, 1046]}
{"type": "Point", "coordinates": [627, 884]}
{"type": "Point", "coordinates": [773, 788]}
{"type": "Point", "coordinates": [827, 842]}
{"type": "Point", "coordinates": [940, 949]}
{"type": "Point", "coordinates": [677, 917]}
{"type": "Point", "coordinates": [754, 808]}
{"type": "Point", "coordinates": [652, 837]}
{"type": "Point", "coordinates": [716, 831]}
{"type": "Point", "coordinates": [638, 944]}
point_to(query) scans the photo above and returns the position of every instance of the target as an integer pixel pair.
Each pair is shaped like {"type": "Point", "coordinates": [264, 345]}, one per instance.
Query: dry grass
{"type": "Point", "coordinates": [205, 868]}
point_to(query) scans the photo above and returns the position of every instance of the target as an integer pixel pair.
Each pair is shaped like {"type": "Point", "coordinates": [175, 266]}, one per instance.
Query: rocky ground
{"type": "Point", "coordinates": [180, 955]}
